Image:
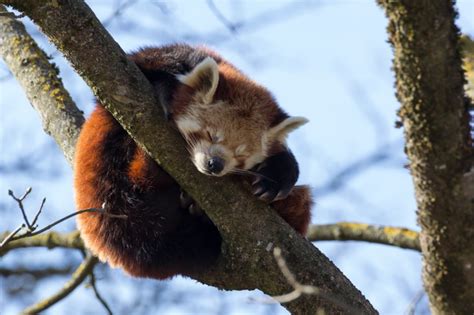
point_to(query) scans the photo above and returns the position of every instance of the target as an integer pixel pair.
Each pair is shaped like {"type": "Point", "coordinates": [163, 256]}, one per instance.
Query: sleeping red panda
{"type": "Point", "coordinates": [231, 125]}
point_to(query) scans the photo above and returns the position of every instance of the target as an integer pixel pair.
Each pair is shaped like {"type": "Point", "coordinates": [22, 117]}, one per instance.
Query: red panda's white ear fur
{"type": "Point", "coordinates": [203, 78]}
{"type": "Point", "coordinates": [281, 131]}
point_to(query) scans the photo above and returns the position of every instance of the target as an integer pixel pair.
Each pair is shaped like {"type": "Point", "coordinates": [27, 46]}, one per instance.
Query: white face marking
{"type": "Point", "coordinates": [188, 125]}
{"type": "Point", "coordinates": [253, 160]}
{"type": "Point", "coordinates": [203, 151]}
{"type": "Point", "coordinates": [219, 136]}
{"type": "Point", "coordinates": [240, 149]}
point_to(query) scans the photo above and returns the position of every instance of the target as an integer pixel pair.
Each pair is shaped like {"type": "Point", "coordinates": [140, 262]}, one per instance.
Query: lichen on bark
{"type": "Point", "coordinates": [435, 115]}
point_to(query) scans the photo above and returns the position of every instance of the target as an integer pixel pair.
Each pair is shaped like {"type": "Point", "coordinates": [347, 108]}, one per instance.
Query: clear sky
{"type": "Point", "coordinates": [325, 60]}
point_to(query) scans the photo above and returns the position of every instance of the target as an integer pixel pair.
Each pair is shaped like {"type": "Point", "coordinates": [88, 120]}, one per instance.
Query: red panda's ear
{"type": "Point", "coordinates": [280, 132]}
{"type": "Point", "coordinates": [203, 78]}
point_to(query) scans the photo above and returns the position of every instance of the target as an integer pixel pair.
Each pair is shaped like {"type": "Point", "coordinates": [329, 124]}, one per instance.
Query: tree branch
{"type": "Point", "coordinates": [468, 63]}
{"type": "Point", "coordinates": [49, 240]}
{"type": "Point", "coordinates": [351, 231]}
{"type": "Point", "coordinates": [435, 116]}
{"type": "Point", "coordinates": [40, 80]}
{"type": "Point", "coordinates": [342, 231]}
{"type": "Point", "coordinates": [245, 262]}
{"type": "Point", "coordinates": [77, 278]}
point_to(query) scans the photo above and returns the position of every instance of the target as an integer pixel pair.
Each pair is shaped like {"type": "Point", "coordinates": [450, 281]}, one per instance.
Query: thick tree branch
{"type": "Point", "coordinates": [351, 231]}
{"type": "Point", "coordinates": [84, 269]}
{"type": "Point", "coordinates": [435, 116]}
{"type": "Point", "coordinates": [246, 262]}
{"type": "Point", "coordinates": [40, 80]}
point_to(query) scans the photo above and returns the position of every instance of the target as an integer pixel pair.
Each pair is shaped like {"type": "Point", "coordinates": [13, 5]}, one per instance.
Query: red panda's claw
{"type": "Point", "coordinates": [257, 191]}
{"type": "Point", "coordinates": [268, 196]}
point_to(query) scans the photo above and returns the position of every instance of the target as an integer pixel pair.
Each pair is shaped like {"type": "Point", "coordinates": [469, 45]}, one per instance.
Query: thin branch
{"type": "Point", "coordinates": [218, 14]}
{"type": "Point", "coordinates": [300, 289]}
{"type": "Point", "coordinates": [31, 228]}
{"type": "Point", "coordinates": [39, 212]}
{"type": "Point", "coordinates": [19, 200]}
{"type": "Point", "coordinates": [10, 236]}
{"type": "Point", "coordinates": [411, 309]}
{"type": "Point", "coordinates": [48, 240]}
{"type": "Point", "coordinates": [92, 282]}
{"type": "Point", "coordinates": [36, 273]}
{"type": "Point", "coordinates": [77, 278]}
{"type": "Point", "coordinates": [352, 231]}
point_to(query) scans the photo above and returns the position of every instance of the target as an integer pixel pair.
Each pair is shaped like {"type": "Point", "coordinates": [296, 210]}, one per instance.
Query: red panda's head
{"type": "Point", "coordinates": [229, 122]}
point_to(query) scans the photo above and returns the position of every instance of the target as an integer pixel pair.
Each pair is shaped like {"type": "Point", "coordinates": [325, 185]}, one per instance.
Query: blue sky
{"type": "Point", "coordinates": [325, 60]}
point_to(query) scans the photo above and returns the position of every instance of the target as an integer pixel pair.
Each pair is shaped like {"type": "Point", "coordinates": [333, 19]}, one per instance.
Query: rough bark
{"type": "Point", "coordinates": [435, 116]}
{"type": "Point", "coordinates": [246, 261]}
{"type": "Point", "coordinates": [41, 83]}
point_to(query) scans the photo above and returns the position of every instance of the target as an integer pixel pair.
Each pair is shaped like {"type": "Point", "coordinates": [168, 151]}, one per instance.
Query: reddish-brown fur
{"type": "Point", "coordinates": [159, 238]}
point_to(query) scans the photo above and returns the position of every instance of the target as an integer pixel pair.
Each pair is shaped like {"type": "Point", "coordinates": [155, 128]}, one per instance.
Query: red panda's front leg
{"type": "Point", "coordinates": [279, 174]}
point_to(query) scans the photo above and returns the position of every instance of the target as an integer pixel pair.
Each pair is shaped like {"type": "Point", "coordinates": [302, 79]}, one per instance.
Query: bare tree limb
{"type": "Point", "coordinates": [245, 262]}
{"type": "Point", "coordinates": [31, 228]}
{"type": "Point", "coordinates": [342, 231]}
{"type": "Point", "coordinates": [352, 231]}
{"type": "Point", "coordinates": [435, 116]}
{"type": "Point", "coordinates": [92, 282]}
{"type": "Point", "coordinates": [36, 273]}
{"type": "Point", "coordinates": [49, 240]}
{"type": "Point", "coordinates": [41, 83]}
{"type": "Point", "coordinates": [77, 278]}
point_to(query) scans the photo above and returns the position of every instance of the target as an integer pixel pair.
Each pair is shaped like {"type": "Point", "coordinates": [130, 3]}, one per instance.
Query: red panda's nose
{"type": "Point", "coordinates": [215, 165]}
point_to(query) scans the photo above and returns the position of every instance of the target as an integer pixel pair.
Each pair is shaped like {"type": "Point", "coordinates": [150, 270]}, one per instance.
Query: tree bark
{"type": "Point", "coordinates": [435, 116]}
{"type": "Point", "coordinates": [249, 228]}
{"type": "Point", "coordinates": [41, 83]}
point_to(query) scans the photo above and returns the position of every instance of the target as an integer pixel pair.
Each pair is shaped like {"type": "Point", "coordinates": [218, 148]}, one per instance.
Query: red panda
{"type": "Point", "coordinates": [231, 125]}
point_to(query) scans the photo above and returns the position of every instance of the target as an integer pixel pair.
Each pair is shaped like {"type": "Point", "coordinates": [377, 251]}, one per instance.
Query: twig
{"type": "Point", "coordinates": [31, 228]}
{"type": "Point", "coordinates": [218, 14]}
{"type": "Point", "coordinates": [300, 289]}
{"type": "Point", "coordinates": [101, 211]}
{"type": "Point", "coordinates": [36, 273]}
{"type": "Point", "coordinates": [39, 212]}
{"type": "Point", "coordinates": [11, 235]}
{"type": "Point", "coordinates": [414, 303]}
{"type": "Point", "coordinates": [77, 278]}
{"type": "Point", "coordinates": [20, 204]}
{"type": "Point", "coordinates": [97, 294]}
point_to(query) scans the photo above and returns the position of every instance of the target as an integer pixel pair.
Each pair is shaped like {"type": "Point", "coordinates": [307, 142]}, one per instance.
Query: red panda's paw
{"type": "Point", "coordinates": [278, 175]}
